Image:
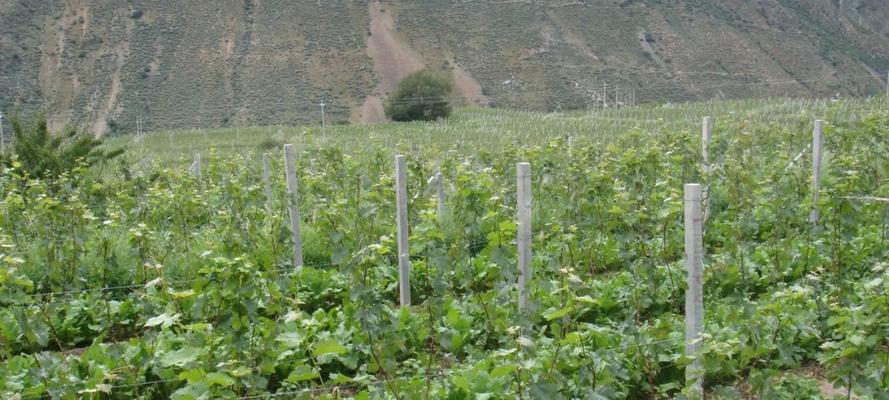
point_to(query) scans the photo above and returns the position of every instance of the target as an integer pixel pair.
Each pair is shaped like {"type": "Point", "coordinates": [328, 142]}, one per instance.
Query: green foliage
{"type": "Point", "coordinates": [44, 155]}
{"type": "Point", "coordinates": [157, 285]}
{"type": "Point", "coordinates": [421, 96]}
{"type": "Point", "coordinates": [793, 388]}
{"type": "Point", "coordinates": [855, 330]}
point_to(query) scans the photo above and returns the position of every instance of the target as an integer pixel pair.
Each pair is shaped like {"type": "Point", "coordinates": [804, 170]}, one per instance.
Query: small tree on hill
{"type": "Point", "coordinates": [421, 96]}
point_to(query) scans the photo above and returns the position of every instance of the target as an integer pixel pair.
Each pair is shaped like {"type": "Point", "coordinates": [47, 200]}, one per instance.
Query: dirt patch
{"type": "Point", "coordinates": [393, 59]}
{"type": "Point", "coordinates": [83, 17]}
{"type": "Point", "coordinates": [827, 389]}
{"type": "Point", "coordinates": [155, 65]}
{"type": "Point", "coordinates": [876, 74]}
{"type": "Point", "coordinates": [369, 112]}
{"type": "Point", "coordinates": [468, 87]}
{"type": "Point", "coordinates": [647, 47]}
{"type": "Point", "coordinates": [228, 47]}
{"type": "Point", "coordinates": [53, 82]}
{"type": "Point", "coordinates": [578, 43]}
{"type": "Point", "coordinates": [100, 125]}
{"type": "Point", "coordinates": [121, 51]}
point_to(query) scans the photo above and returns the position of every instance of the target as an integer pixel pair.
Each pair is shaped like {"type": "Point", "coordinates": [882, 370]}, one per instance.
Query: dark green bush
{"type": "Point", "coordinates": [421, 96]}
{"type": "Point", "coordinates": [269, 144]}
{"type": "Point", "coordinates": [44, 155]}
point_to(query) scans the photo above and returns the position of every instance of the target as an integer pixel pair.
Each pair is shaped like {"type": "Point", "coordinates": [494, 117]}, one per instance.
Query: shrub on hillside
{"type": "Point", "coordinates": [45, 155]}
{"type": "Point", "coordinates": [421, 96]}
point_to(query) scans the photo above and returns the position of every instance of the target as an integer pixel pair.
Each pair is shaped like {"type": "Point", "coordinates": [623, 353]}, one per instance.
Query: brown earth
{"type": "Point", "coordinates": [392, 59]}
{"type": "Point", "coordinates": [468, 87]}
{"type": "Point", "coordinates": [101, 65]}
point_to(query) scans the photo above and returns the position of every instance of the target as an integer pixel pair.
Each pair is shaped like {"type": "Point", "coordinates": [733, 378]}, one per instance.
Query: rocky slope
{"type": "Point", "coordinates": [103, 64]}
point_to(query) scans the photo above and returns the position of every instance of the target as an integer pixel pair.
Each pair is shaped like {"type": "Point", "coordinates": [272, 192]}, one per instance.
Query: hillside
{"type": "Point", "coordinates": [103, 64]}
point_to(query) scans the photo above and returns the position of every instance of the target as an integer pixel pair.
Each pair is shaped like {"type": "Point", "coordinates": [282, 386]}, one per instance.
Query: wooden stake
{"type": "Point", "coordinates": [523, 208]}
{"type": "Point", "coordinates": [694, 295]}
{"type": "Point", "coordinates": [404, 267]}
{"type": "Point", "coordinates": [817, 153]}
{"type": "Point", "coordinates": [293, 204]}
{"type": "Point", "coordinates": [267, 181]}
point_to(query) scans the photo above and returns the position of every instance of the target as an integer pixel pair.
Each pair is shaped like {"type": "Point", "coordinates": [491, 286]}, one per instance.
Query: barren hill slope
{"type": "Point", "coordinates": [101, 64]}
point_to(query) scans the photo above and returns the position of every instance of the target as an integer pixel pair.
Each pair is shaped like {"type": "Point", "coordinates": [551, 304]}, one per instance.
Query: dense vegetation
{"type": "Point", "coordinates": [45, 155]}
{"type": "Point", "coordinates": [151, 284]}
{"type": "Point", "coordinates": [421, 96]}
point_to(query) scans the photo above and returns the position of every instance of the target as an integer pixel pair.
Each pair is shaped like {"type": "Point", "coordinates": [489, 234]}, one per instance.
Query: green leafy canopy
{"type": "Point", "coordinates": [421, 96]}
{"type": "Point", "coordinates": [44, 155]}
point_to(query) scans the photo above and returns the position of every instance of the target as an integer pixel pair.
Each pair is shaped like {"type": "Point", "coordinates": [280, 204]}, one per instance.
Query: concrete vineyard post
{"type": "Point", "coordinates": [694, 295]}
{"type": "Point", "coordinates": [267, 181]}
{"type": "Point", "coordinates": [2, 138]}
{"type": "Point", "coordinates": [617, 100]}
{"type": "Point", "coordinates": [604, 95]}
{"type": "Point", "coordinates": [523, 208]}
{"type": "Point", "coordinates": [197, 170]}
{"type": "Point", "coordinates": [293, 204]}
{"type": "Point", "coordinates": [706, 134]}
{"type": "Point", "coordinates": [404, 280]}
{"type": "Point", "coordinates": [817, 153]}
{"type": "Point", "coordinates": [404, 266]}
{"type": "Point", "coordinates": [440, 197]}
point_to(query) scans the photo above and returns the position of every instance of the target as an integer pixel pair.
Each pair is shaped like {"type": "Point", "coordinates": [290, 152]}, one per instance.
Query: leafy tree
{"type": "Point", "coordinates": [421, 96]}
{"type": "Point", "coordinates": [45, 155]}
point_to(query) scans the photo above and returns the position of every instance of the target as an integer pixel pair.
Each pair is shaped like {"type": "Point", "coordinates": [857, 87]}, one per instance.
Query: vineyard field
{"type": "Point", "coordinates": [152, 277]}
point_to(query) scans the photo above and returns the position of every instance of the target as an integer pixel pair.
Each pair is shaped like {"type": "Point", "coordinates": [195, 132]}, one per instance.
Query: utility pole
{"type": "Point", "coordinates": [323, 123]}
{"type": "Point", "coordinates": [2, 139]}
{"type": "Point", "coordinates": [887, 84]}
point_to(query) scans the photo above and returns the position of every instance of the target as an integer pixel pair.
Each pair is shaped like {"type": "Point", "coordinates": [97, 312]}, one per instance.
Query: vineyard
{"type": "Point", "coordinates": [167, 275]}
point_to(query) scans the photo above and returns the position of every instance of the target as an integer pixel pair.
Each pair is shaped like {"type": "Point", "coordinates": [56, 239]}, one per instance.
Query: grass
{"type": "Point", "coordinates": [478, 129]}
